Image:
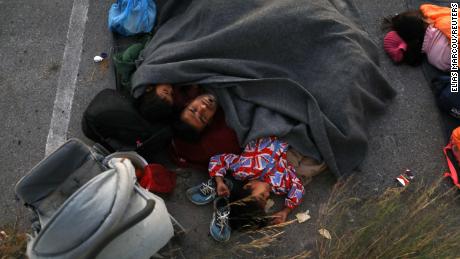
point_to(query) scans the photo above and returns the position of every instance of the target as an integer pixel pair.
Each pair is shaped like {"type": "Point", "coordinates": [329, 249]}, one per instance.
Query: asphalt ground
{"type": "Point", "coordinates": [33, 36]}
{"type": "Point", "coordinates": [33, 39]}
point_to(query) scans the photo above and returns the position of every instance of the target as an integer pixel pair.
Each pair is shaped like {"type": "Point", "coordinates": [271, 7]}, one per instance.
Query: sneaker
{"type": "Point", "coordinates": [220, 229]}
{"type": "Point", "coordinates": [205, 192]}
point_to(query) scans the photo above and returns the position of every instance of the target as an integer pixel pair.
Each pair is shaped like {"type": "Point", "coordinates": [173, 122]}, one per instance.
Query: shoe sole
{"type": "Point", "coordinates": [210, 228]}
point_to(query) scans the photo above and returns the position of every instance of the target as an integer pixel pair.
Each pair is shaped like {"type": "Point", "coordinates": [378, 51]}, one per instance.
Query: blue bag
{"type": "Point", "coordinates": [129, 17]}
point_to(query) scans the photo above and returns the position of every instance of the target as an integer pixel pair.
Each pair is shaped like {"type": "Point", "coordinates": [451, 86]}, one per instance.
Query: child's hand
{"type": "Point", "coordinates": [280, 216]}
{"type": "Point", "coordinates": [222, 189]}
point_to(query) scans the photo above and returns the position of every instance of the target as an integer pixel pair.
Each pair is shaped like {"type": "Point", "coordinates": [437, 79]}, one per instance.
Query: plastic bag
{"type": "Point", "coordinates": [129, 17]}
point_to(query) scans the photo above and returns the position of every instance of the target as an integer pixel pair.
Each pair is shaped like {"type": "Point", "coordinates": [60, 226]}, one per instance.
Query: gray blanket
{"type": "Point", "coordinates": [298, 69]}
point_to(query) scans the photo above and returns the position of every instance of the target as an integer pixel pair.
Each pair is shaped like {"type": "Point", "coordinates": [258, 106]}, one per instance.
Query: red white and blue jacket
{"type": "Point", "coordinates": [264, 158]}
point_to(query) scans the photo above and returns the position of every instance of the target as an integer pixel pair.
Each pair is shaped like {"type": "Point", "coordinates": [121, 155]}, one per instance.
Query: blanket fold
{"type": "Point", "coordinates": [297, 69]}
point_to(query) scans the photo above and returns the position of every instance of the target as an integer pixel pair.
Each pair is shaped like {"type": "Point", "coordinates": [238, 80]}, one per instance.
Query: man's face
{"type": "Point", "coordinates": [165, 92]}
{"type": "Point", "coordinates": [200, 111]}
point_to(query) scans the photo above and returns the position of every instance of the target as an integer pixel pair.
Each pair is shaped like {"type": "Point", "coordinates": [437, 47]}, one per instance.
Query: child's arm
{"type": "Point", "coordinates": [293, 199]}
{"type": "Point", "coordinates": [222, 188]}
{"type": "Point", "coordinates": [281, 216]}
{"type": "Point", "coordinates": [218, 166]}
{"type": "Point", "coordinates": [296, 192]}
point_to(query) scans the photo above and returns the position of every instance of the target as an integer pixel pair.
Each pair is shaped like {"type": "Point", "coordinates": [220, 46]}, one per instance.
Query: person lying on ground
{"type": "Point", "coordinates": [416, 33]}
{"type": "Point", "coordinates": [263, 167]}
{"type": "Point", "coordinates": [114, 121]}
{"type": "Point", "coordinates": [200, 130]}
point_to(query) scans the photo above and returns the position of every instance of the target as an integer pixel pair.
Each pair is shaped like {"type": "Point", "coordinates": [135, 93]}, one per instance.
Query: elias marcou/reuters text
{"type": "Point", "coordinates": [454, 48]}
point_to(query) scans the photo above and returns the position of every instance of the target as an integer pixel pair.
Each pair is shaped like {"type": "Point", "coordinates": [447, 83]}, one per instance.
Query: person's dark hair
{"type": "Point", "coordinates": [153, 108]}
{"type": "Point", "coordinates": [185, 131]}
{"type": "Point", "coordinates": [411, 27]}
{"type": "Point", "coordinates": [245, 211]}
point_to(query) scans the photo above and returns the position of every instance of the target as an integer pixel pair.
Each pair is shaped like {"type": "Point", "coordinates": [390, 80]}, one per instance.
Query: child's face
{"type": "Point", "coordinates": [260, 191]}
{"type": "Point", "coordinates": [200, 111]}
{"type": "Point", "coordinates": [165, 92]}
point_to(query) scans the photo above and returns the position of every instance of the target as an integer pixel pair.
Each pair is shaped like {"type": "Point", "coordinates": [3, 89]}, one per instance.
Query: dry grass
{"type": "Point", "coordinates": [253, 243]}
{"type": "Point", "coordinates": [13, 239]}
{"type": "Point", "coordinates": [419, 221]}
{"type": "Point", "coordinates": [13, 242]}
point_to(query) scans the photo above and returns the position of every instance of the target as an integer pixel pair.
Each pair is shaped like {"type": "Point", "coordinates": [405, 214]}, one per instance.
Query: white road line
{"type": "Point", "coordinates": [59, 125]}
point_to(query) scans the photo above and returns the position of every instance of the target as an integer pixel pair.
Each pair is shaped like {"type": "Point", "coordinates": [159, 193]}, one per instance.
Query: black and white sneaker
{"type": "Point", "coordinates": [219, 228]}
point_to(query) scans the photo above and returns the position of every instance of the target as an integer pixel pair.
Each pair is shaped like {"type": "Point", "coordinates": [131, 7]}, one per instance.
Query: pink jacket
{"type": "Point", "coordinates": [436, 46]}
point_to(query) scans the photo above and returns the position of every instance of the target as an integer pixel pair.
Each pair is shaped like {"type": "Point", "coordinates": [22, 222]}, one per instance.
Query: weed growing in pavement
{"type": "Point", "coordinates": [13, 239]}
{"type": "Point", "coordinates": [13, 242]}
{"type": "Point", "coordinates": [420, 220]}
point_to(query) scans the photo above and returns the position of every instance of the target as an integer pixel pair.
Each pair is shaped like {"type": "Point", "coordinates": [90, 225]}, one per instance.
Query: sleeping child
{"type": "Point", "coordinates": [263, 168]}
{"type": "Point", "coordinates": [416, 33]}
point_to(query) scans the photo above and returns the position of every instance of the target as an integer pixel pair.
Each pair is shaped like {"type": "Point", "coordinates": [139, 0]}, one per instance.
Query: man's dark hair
{"type": "Point", "coordinates": [245, 211]}
{"type": "Point", "coordinates": [411, 27]}
{"type": "Point", "coordinates": [184, 131]}
{"type": "Point", "coordinates": [153, 108]}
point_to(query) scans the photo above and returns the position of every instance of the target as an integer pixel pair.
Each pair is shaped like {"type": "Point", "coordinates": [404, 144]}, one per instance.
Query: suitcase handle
{"type": "Point", "coordinates": [136, 218]}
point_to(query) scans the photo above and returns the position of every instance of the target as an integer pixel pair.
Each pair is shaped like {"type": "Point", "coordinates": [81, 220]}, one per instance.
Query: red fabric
{"type": "Point", "coordinates": [452, 173]}
{"type": "Point", "coordinates": [156, 178]}
{"type": "Point", "coordinates": [217, 138]}
{"type": "Point", "coordinates": [394, 46]}
{"type": "Point", "coordinates": [455, 137]}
